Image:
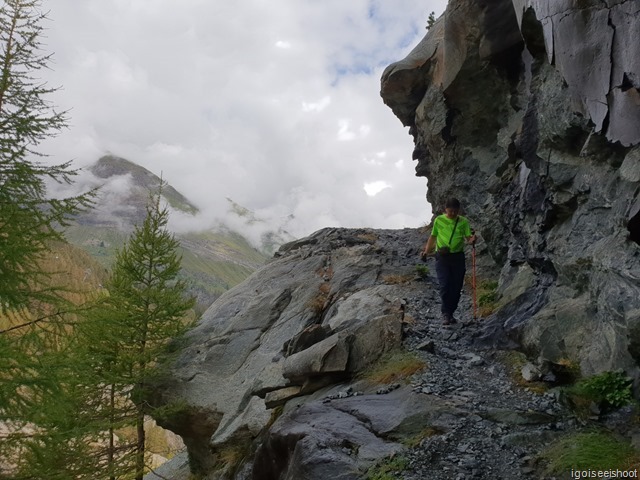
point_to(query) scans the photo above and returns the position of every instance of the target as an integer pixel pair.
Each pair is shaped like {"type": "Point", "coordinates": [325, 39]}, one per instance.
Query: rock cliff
{"type": "Point", "coordinates": [529, 112]}
{"type": "Point", "coordinates": [322, 312]}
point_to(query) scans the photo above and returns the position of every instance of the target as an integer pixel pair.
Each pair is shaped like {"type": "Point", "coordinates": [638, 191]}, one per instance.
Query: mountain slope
{"type": "Point", "coordinates": [214, 260]}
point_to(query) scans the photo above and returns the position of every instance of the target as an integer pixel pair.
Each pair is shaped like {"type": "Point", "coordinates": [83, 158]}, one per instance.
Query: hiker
{"type": "Point", "coordinates": [448, 235]}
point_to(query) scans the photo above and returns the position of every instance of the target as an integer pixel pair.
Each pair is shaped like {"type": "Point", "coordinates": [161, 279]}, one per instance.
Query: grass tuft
{"type": "Point", "coordinates": [416, 440]}
{"type": "Point", "coordinates": [596, 450]}
{"type": "Point", "coordinates": [397, 279]}
{"type": "Point", "coordinates": [387, 469]}
{"type": "Point", "coordinates": [422, 271]}
{"type": "Point", "coordinates": [395, 367]}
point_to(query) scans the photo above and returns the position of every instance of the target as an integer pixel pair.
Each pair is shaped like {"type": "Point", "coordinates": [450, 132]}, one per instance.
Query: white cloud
{"type": "Point", "coordinates": [318, 106]}
{"type": "Point", "coordinates": [273, 104]}
{"type": "Point", "coordinates": [374, 188]}
{"type": "Point", "coordinates": [283, 44]}
{"type": "Point", "coordinates": [344, 130]}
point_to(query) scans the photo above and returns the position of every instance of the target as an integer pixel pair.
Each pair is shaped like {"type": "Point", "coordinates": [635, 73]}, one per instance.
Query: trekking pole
{"type": "Point", "coordinates": [473, 281]}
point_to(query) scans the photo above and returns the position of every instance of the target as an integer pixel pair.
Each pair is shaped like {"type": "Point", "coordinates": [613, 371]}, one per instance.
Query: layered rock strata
{"type": "Point", "coordinates": [529, 112]}
{"type": "Point", "coordinates": [325, 309]}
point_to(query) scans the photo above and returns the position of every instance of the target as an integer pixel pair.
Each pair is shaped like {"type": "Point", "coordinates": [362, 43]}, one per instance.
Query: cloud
{"type": "Point", "coordinates": [374, 188]}
{"type": "Point", "coordinates": [318, 106]}
{"type": "Point", "coordinates": [275, 105]}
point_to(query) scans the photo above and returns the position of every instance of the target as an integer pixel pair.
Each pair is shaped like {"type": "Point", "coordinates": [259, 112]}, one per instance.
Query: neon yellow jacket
{"type": "Point", "coordinates": [442, 228]}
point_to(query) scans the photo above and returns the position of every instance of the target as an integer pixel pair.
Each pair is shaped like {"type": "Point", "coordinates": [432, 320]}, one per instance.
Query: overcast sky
{"type": "Point", "coordinates": [273, 104]}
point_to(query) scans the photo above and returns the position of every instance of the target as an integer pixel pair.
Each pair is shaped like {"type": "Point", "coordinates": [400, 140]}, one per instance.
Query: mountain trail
{"type": "Point", "coordinates": [503, 425]}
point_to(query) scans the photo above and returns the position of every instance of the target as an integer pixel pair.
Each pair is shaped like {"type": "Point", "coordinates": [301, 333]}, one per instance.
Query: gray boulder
{"type": "Point", "coordinates": [344, 437]}
{"type": "Point", "coordinates": [317, 314]}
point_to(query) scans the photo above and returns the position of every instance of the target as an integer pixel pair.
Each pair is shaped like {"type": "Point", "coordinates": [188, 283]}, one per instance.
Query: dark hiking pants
{"type": "Point", "coordinates": [450, 270]}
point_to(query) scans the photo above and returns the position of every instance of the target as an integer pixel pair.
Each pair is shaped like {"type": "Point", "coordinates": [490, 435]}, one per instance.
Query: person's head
{"type": "Point", "coordinates": [452, 207]}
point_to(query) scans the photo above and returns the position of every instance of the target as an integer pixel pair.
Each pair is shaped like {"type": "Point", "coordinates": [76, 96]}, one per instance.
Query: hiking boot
{"type": "Point", "coordinates": [447, 319]}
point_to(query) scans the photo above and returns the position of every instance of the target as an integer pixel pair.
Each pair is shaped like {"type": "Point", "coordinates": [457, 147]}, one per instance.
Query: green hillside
{"type": "Point", "coordinates": [213, 260]}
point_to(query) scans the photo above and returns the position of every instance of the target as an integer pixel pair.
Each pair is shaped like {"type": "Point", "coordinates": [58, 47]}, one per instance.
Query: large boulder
{"type": "Point", "coordinates": [319, 313]}
{"type": "Point", "coordinates": [340, 439]}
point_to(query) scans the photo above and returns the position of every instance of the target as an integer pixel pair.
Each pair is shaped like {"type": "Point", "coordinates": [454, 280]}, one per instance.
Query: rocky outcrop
{"type": "Point", "coordinates": [325, 309]}
{"type": "Point", "coordinates": [529, 112]}
{"type": "Point", "coordinates": [461, 416]}
{"type": "Point", "coordinates": [340, 439]}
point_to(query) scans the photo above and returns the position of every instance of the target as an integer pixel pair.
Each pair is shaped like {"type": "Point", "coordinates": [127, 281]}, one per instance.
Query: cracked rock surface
{"type": "Point", "coordinates": [461, 417]}
{"type": "Point", "coordinates": [528, 111]}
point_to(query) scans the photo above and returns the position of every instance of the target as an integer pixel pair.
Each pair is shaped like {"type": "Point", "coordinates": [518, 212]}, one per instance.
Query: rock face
{"type": "Point", "coordinates": [529, 112]}
{"type": "Point", "coordinates": [334, 439]}
{"type": "Point", "coordinates": [322, 311]}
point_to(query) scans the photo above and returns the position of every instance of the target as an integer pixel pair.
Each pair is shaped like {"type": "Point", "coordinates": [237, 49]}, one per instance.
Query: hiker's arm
{"type": "Point", "coordinates": [429, 246]}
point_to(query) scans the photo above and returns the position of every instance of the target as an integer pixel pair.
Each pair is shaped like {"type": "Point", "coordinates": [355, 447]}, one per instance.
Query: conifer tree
{"type": "Point", "coordinates": [145, 310]}
{"type": "Point", "coordinates": [101, 383]}
{"type": "Point", "coordinates": [29, 220]}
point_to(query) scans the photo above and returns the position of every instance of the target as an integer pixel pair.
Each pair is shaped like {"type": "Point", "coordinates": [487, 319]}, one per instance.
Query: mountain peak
{"type": "Point", "coordinates": [112, 166]}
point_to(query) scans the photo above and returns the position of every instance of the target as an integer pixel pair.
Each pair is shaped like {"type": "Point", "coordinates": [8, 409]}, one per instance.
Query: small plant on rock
{"type": "Point", "coordinates": [431, 20]}
{"type": "Point", "coordinates": [388, 469]}
{"type": "Point", "coordinates": [608, 390]}
{"type": "Point", "coordinates": [487, 297]}
{"type": "Point", "coordinates": [487, 292]}
{"type": "Point", "coordinates": [416, 440]}
{"type": "Point", "coordinates": [422, 271]}
{"type": "Point", "coordinates": [601, 393]}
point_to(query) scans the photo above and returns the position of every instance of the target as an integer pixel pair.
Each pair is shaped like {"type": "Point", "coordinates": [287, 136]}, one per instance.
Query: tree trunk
{"type": "Point", "coordinates": [140, 445]}
{"type": "Point", "coordinates": [112, 446]}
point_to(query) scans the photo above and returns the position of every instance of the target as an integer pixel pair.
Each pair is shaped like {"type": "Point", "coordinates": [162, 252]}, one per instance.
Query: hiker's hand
{"type": "Point", "coordinates": [472, 240]}
{"type": "Point", "coordinates": [424, 254]}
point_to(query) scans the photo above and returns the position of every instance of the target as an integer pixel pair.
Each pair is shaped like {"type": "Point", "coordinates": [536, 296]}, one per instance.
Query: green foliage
{"type": "Point", "coordinates": [29, 220]}
{"type": "Point", "coordinates": [422, 271]}
{"type": "Point", "coordinates": [172, 411]}
{"type": "Point", "coordinates": [608, 390]}
{"type": "Point", "coordinates": [487, 294]}
{"type": "Point", "coordinates": [431, 20]}
{"type": "Point", "coordinates": [415, 440]}
{"type": "Point", "coordinates": [588, 451]}
{"type": "Point", "coordinates": [389, 469]}
{"type": "Point", "coordinates": [97, 377]}
{"type": "Point", "coordinates": [144, 311]}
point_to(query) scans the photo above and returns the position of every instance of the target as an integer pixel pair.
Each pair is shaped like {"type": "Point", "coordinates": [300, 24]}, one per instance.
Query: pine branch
{"type": "Point", "coordinates": [42, 319]}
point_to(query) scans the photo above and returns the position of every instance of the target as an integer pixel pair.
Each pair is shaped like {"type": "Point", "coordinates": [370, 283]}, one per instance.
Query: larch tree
{"type": "Point", "coordinates": [30, 220]}
{"type": "Point", "coordinates": [146, 309]}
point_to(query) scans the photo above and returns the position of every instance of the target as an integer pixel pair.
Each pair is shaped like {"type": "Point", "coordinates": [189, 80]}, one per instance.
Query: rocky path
{"type": "Point", "coordinates": [467, 415]}
{"type": "Point", "coordinates": [502, 426]}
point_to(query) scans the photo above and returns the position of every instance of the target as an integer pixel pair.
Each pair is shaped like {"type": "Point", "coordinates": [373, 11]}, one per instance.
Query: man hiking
{"type": "Point", "coordinates": [448, 235]}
